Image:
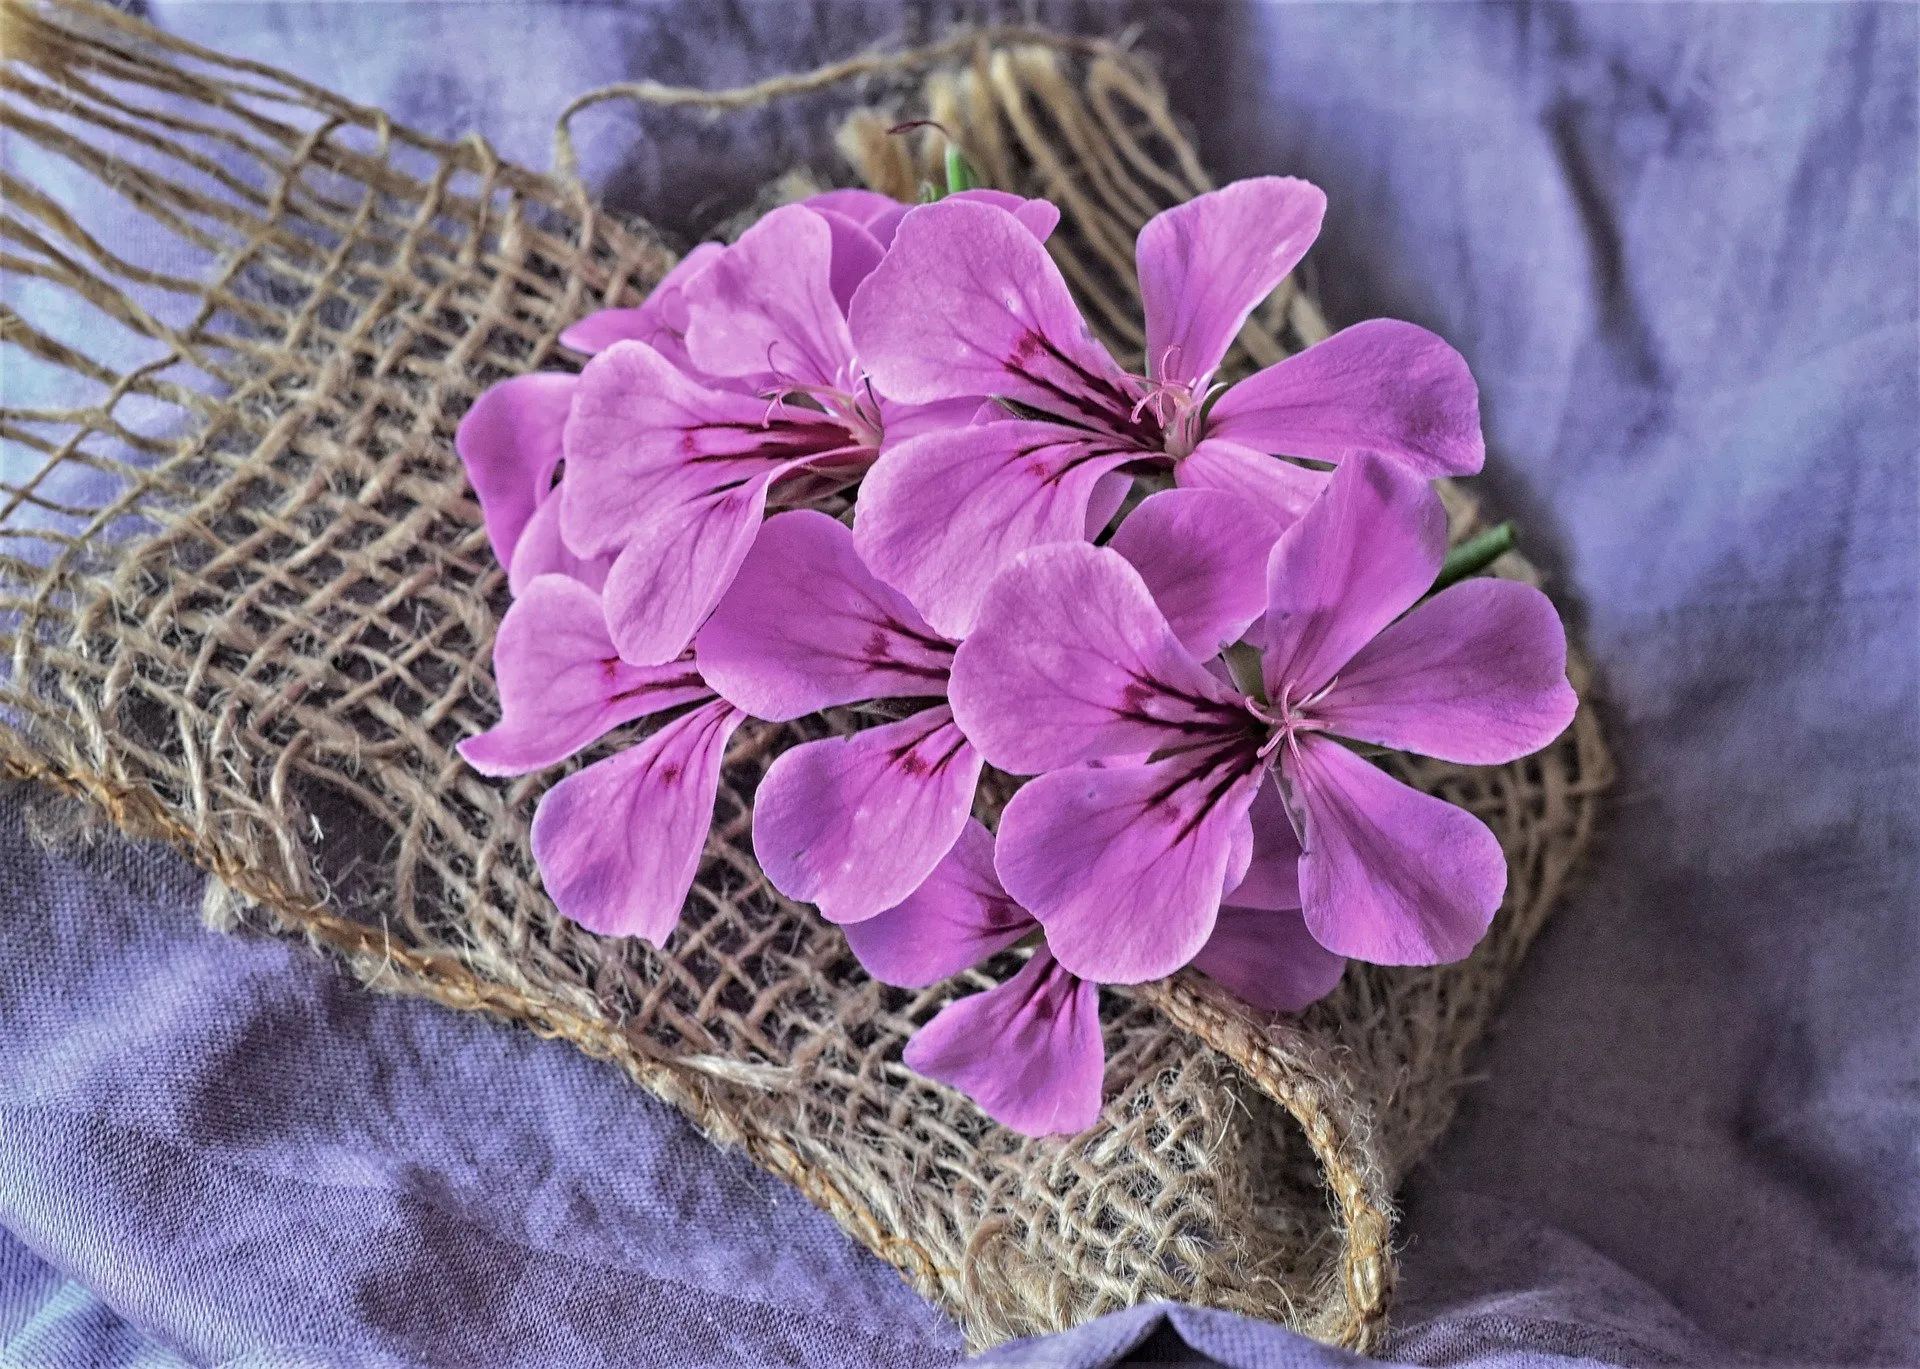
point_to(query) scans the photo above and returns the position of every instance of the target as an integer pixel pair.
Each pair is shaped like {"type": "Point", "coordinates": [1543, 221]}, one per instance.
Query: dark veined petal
{"type": "Point", "coordinates": [853, 825]}
{"type": "Point", "coordinates": [955, 920]}
{"type": "Point", "coordinates": [618, 844]}
{"type": "Point", "coordinates": [805, 625]}
{"type": "Point", "coordinates": [1028, 1051]}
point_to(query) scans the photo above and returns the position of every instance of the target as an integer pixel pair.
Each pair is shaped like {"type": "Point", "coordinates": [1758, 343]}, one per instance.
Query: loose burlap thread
{"type": "Point", "coordinates": [247, 607]}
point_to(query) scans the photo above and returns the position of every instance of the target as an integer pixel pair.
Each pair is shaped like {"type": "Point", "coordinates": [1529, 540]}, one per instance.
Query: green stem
{"type": "Point", "coordinates": [959, 175]}
{"type": "Point", "coordinates": [1474, 555]}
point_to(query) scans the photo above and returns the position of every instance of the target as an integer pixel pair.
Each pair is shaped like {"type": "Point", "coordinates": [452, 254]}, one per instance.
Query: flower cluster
{"type": "Point", "coordinates": [1190, 611]}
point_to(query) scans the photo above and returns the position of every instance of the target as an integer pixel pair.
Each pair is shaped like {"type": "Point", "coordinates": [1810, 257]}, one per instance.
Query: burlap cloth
{"type": "Point", "coordinates": [247, 607]}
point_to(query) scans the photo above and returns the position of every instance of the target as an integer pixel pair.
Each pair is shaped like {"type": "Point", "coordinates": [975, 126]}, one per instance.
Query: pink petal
{"type": "Point", "coordinates": [660, 321]}
{"type": "Point", "coordinates": [1282, 488]}
{"type": "Point", "coordinates": [1109, 493]}
{"type": "Point", "coordinates": [1205, 265]}
{"type": "Point", "coordinates": [1390, 875]}
{"type": "Point", "coordinates": [1038, 217]}
{"type": "Point", "coordinates": [677, 567]}
{"type": "Point", "coordinates": [510, 443]}
{"type": "Point", "coordinates": [955, 920]}
{"type": "Point", "coordinates": [1071, 660]}
{"type": "Point", "coordinates": [1269, 959]}
{"type": "Point", "coordinates": [1272, 880]}
{"type": "Point", "coordinates": [562, 685]}
{"type": "Point", "coordinates": [1028, 1052]}
{"type": "Point", "coordinates": [1203, 556]}
{"type": "Point", "coordinates": [855, 824]}
{"type": "Point", "coordinates": [1124, 865]}
{"type": "Point", "coordinates": [855, 254]}
{"type": "Point", "coordinates": [541, 551]}
{"type": "Point", "coordinates": [940, 515]}
{"type": "Point", "coordinates": [766, 307]}
{"type": "Point", "coordinates": [1477, 675]}
{"type": "Point", "coordinates": [864, 207]}
{"type": "Point", "coordinates": [1359, 558]}
{"type": "Point", "coordinates": [806, 626]}
{"type": "Point", "coordinates": [1381, 386]}
{"type": "Point", "coordinates": [969, 303]}
{"type": "Point", "coordinates": [618, 844]}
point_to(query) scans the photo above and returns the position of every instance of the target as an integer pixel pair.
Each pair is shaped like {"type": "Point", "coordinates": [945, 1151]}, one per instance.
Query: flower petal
{"type": "Point", "coordinates": [806, 626]}
{"type": "Point", "coordinates": [1382, 386]}
{"type": "Point", "coordinates": [1108, 496]}
{"type": "Point", "coordinates": [1203, 556]}
{"type": "Point", "coordinates": [1359, 558]}
{"type": "Point", "coordinates": [541, 551]}
{"type": "Point", "coordinates": [1390, 875]}
{"type": "Point", "coordinates": [853, 825]}
{"type": "Point", "coordinates": [1206, 264]}
{"type": "Point", "coordinates": [1071, 660]}
{"type": "Point", "coordinates": [618, 844]}
{"type": "Point", "coordinates": [1028, 1052]}
{"type": "Point", "coordinates": [864, 207]}
{"type": "Point", "coordinates": [940, 515]}
{"type": "Point", "coordinates": [1285, 490]}
{"type": "Point", "coordinates": [765, 309]}
{"type": "Point", "coordinates": [1477, 675]}
{"type": "Point", "coordinates": [952, 922]}
{"type": "Point", "coordinates": [1272, 880]}
{"type": "Point", "coordinates": [1038, 217]}
{"type": "Point", "coordinates": [562, 685]}
{"type": "Point", "coordinates": [510, 443]}
{"type": "Point", "coordinates": [678, 565]}
{"type": "Point", "coordinates": [660, 321]}
{"type": "Point", "coordinates": [969, 303]}
{"type": "Point", "coordinates": [1269, 959]}
{"type": "Point", "coordinates": [1124, 865]}
{"type": "Point", "coordinates": [855, 253]}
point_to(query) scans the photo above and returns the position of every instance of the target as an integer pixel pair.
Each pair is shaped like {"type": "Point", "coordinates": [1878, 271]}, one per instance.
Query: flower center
{"type": "Point", "coordinates": [1177, 406]}
{"type": "Point", "coordinates": [850, 401]}
{"type": "Point", "coordinates": [1287, 718]}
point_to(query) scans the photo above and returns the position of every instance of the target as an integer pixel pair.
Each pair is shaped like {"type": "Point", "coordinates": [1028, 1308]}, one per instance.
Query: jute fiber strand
{"type": "Point", "coordinates": [247, 608]}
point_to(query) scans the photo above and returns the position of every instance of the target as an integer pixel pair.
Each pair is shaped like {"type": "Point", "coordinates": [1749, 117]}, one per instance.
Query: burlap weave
{"type": "Point", "coordinates": [247, 607]}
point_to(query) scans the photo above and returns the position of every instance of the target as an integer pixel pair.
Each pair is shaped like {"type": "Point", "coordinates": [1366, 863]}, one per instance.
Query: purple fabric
{"type": "Point", "coordinates": [1677, 245]}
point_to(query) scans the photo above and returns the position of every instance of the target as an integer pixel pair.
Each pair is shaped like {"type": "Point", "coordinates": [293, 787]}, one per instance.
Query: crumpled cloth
{"type": "Point", "coordinates": [1678, 245]}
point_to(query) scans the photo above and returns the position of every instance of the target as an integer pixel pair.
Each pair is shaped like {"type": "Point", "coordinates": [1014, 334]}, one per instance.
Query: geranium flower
{"type": "Point", "coordinates": [1073, 661]}
{"type": "Point", "coordinates": [966, 304]}
{"type": "Point", "coordinates": [510, 439]}
{"type": "Point", "coordinates": [618, 843]}
{"type": "Point", "coordinates": [1029, 1051]}
{"type": "Point", "coordinates": [671, 456]}
{"type": "Point", "coordinates": [850, 824]}
{"type": "Point", "coordinates": [854, 824]}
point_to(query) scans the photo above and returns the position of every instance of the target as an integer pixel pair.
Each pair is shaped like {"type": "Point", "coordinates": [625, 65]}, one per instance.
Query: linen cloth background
{"type": "Point", "coordinates": [1678, 245]}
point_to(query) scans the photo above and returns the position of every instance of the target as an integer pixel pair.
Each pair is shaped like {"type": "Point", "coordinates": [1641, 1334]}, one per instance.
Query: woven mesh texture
{"type": "Point", "coordinates": [247, 608]}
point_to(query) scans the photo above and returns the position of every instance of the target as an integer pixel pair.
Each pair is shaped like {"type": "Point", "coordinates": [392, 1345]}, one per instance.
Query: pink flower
{"type": "Point", "coordinates": [854, 824]}
{"type": "Point", "coordinates": [510, 440]}
{"type": "Point", "coordinates": [1029, 1051]}
{"type": "Point", "coordinates": [850, 824]}
{"type": "Point", "coordinates": [618, 843]}
{"type": "Point", "coordinates": [671, 455]}
{"type": "Point", "coordinates": [966, 304]}
{"type": "Point", "coordinates": [1073, 661]}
